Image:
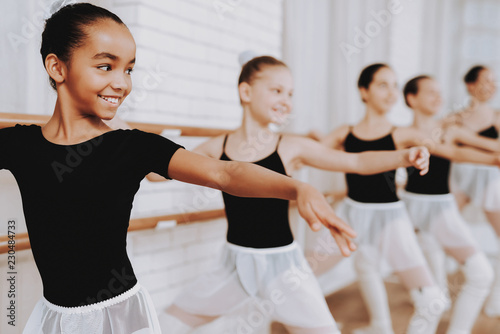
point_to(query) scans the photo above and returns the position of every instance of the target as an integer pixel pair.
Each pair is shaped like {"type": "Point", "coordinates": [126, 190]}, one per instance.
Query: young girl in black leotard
{"type": "Point", "coordinates": [385, 233]}
{"type": "Point", "coordinates": [435, 214]}
{"type": "Point", "coordinates": [78, 179]}
{"type": "Point", "coordinates": [261, 259]}
{"type": "Point", "coordinates": [481, 184]}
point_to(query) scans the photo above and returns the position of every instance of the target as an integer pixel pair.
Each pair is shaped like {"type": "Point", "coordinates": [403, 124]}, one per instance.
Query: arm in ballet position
{"type": "Point", "coordinates": [459, 135]}
{"type": "Point", "coordinates": [370, 162]}
{"type": "Point", "coordinates": [249, 180]}
{"type": "Point", "coordinates": [406, 137]}
{"type": "Point", "coordinates": [314, 154]}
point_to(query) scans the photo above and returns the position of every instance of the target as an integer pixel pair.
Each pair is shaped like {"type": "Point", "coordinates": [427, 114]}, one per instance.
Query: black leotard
{"type": "Point", "coordinates": [435, 182]}
{"type": "Point", "coordinates": [258, 222]}
{"type": "Point", "coordinates": [377, 188]}
{"type": "Point", "coordinates": [77, 201]}
{"type": "Point", "coordinates": [490, 132]}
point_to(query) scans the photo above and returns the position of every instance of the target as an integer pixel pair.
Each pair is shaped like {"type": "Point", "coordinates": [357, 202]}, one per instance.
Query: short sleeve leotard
{"type": "Point", "coordinates": [376, 188]}
{"type": "Point", "coordinates": [258, 222]}
{"type": "Point", "coordinates": [77, 201]}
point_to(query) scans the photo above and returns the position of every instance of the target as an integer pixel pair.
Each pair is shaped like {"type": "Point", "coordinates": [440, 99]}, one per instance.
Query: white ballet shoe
{"type": "Point", "coordinates": [430, 304]}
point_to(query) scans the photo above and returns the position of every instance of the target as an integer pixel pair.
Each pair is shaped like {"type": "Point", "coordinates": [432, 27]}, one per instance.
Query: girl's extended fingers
{"type": "Point", "coordinates": [341, 241]}
{"type": "Point", "coordinates": [310, 217]}
{"type": "Point", "coordinates": [333, 221]}
{"type": "Point", "coordinates": [350, 243]}
{"type": "Point", "coordinates": [424, 171]}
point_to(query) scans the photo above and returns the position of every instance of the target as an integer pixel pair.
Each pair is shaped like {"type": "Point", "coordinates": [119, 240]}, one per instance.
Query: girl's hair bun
{"type": "Point", "coordinates": [245, 56]}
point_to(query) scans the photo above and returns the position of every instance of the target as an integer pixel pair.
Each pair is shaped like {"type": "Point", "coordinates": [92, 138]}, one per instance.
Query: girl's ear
{"type": "Point", "coordinates": [411, 100]}
{"type": "Point", "coordinates": [364, 93]}
{"type": "Point", "coordinates": [244, 90]}
{"type": "Point", "coordinates": [470, 88]}
{"type": "Point", "coordinates": [55, 68]}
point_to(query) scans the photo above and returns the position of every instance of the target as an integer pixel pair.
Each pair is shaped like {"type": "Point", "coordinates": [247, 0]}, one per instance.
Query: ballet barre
{"type": "Point", "coordinates": [11, 119]}
{"type": "Point", "coordinates": [146, 223]}
{"type": "Point", "coordinates": [137, 224]}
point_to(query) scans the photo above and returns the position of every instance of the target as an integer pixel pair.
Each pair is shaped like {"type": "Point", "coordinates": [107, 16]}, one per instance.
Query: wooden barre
{"type": "Point", "coordinates": [10, 119]}
{"type": "Point", "coordinates": [137, 224]}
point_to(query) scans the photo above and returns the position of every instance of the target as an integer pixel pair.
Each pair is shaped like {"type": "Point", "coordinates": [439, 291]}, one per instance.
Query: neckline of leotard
{"type": "Point", "coordinates": [351, 127]}
{"type": "Point", "coordinates": [77, 144]}
{"type": "Point", "coordinates": [488, 128]}
{"type": "Point", "coordinates": [252, 162]}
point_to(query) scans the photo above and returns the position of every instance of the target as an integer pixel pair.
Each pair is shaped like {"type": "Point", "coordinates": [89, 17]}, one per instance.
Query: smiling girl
{"type": "Point", "coordinates": [261, 257]}
{"type": "Point", "coordinates": [78, 179]}
{"type": "Point", "coordinates": [473, 182]}
{"type": "Point", "coordinates": [435, 214]}
{"type": "Point", "coordinates": [385, 232]}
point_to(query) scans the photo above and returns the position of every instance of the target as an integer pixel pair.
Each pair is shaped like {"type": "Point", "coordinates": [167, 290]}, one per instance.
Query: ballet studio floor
{"type": "Point", "coordinates": [349, 311]}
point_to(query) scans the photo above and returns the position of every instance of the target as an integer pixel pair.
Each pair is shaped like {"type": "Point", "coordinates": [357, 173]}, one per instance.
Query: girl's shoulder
{"type": "Point", "coordinates": [337, 137]}
{"type": "Point", "coordinates": [455, 118]}
{"type": "Point", "coordinates": [21, 130]}
{"type": "Point", "coordinates": [405, 132]}
{"type": "Point", "coordinates": [213, 147]}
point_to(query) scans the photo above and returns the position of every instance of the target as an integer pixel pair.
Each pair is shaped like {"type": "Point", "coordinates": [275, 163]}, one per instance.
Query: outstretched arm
{"type": "Point", "coordinates": [316, 155]}
{"type": "Point", "coordinates": [409, 137]}
{"type": "Point", "coordinates": [460, 135]}
{"type": "Point", "coordinates": [249, 180]}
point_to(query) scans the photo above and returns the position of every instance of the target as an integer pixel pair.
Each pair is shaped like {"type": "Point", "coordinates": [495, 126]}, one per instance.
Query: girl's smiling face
{"type": "Point", "coordinates": [269, 95]}
{"type": "Point", "coordinates": [485, 87]}
{"type": "Point", "coordinates": [97, 77]}
{"type": "Point", "coordinates": [428, 99]}
{"type": "Point", "coordinates": [382, 93]}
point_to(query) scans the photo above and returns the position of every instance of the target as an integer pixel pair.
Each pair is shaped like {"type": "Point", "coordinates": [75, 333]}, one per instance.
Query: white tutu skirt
{"type": "Point", "coordinates": [384, 231]}
{"type": "Point", "coordinates": [438, 215]}
{"type": "Point", "coordinates": [278, 280]}
{"type": "Point", "coordinates": [480, 183]}
{"type": "Point", "coordinates": [132, 312]}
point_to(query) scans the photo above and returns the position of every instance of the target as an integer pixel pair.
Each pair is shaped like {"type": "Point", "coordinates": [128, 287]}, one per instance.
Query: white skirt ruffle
{"type": "Point", "coordinates": [479, 182]}
{"type": "Point", "coordinates": [438, 215]}
{"type": "Point", "coordinates": [132, 312]}
{"type": "Point", "coordinates": [384, 230]}
{"type": "Point", "coordinates": [278, 278]}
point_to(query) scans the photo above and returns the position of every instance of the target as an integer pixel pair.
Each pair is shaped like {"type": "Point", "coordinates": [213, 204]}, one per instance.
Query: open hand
{"type": "Point", "coordinates": [314, 208]}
